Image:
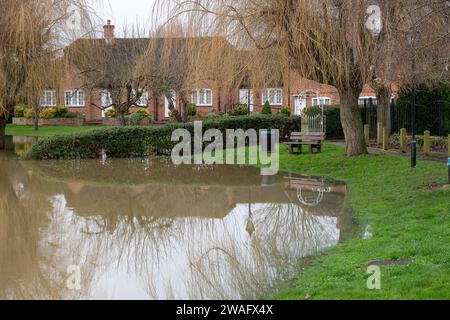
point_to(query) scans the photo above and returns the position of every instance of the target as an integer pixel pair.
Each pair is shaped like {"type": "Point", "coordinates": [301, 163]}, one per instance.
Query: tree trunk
{"type": "Point", "coordinates": [2, 132]}
{"type": "Point", "coordinates": [36, 122]}
{"type": "Point", "coordinates": [121, 118]}
{"type": "Point", "coordinates": [352, 123]}
{"type": "Point", "coordinates": [384, 94]}
{"type": "Point", "coordinates": [183, 107]}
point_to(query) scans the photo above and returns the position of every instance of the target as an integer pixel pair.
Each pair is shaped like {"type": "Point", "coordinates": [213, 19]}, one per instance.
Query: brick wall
{"type": "Point", "coordinates": [222, 100]}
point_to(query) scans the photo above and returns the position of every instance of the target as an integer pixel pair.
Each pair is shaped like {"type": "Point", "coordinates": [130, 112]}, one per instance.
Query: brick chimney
{"type": "Point", "coordinates": [108, 30]}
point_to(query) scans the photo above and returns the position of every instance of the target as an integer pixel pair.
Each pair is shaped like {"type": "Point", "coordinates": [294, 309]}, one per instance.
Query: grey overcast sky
{"type": "Point", "coordinates": [125, 13]}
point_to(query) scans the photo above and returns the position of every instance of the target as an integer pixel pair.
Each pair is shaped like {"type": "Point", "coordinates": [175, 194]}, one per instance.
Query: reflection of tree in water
{"type": "Point", "coordinates": [20, 261]}
{"type": "Point", "coordinates": [30, 264]}
{"type": "Point", "coordinates": [283, 235]}
{"type": "Point", "coordinates": [173, 241]}
{"type": "Point", "coordinates": [199, 258]}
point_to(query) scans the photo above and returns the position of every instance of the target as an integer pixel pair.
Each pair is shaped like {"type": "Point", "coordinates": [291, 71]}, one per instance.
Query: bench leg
{"type": "Point", "coordinates": [291, 149]}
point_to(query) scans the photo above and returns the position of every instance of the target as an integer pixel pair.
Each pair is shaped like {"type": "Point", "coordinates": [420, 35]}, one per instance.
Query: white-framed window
{"type": "Point", "coordinates": [366, 100]}
{"type": "Point", "coordinates": [246, 97]}
{"type": "Point", "coordinates": [202, 97]}
{"type": "Point", "coordinates": [273, 96]}
{"type": "Point", "coordinates": [321, 101]}
{"type": "Point", "coordinates": [143, 100]}
{"type": "Point", "coordinates": [48, 98]}
{"type": "Point", "coordinates": [75, 98]}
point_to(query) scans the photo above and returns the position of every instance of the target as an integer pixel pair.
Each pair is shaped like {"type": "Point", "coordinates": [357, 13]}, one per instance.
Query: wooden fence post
{"type": "Point", "coordinates": [385, 139]}
{"type": "Point", "coordinates": [403, 140]}
{"type": "Point", "coordinates": [427, 143]}
{"type": "Point", "coordinates": [367, 133]}
{"type": "Point", "coordinates": [380, 133]}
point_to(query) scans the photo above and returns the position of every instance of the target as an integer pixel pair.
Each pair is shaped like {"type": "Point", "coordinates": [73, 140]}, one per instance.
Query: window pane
{"type": "Point", "coordinates": [209, 97]}
{"type": "Point", "coordinates": [80, 98]}
{"type": "Point", "coordinates": [201, 97]}
{"type": "Point", "coordinates": [243, 96]}
{"type": "Point", "coordinates": [67, 98]}
{"type": "Point", "coordinates": [279, 97]}
{"type": "Point", "coordinates": [53, 98]}
{"type": "Point", "coordinates": [195, 97]}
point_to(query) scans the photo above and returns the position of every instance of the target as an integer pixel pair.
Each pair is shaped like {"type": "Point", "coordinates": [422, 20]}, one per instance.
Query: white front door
{"type": "Point", "coordinates": [246, 97]}
{"type": "Point", "coordinates": [167, 104]}
{"type": "Point", "coordinates": [300, 104]}
{"type": "Point", "coordinates": [106, 102]}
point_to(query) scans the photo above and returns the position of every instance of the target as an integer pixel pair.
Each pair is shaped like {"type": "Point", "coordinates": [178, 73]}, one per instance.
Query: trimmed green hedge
{"type": "Point", "coordinates": [124, 142]}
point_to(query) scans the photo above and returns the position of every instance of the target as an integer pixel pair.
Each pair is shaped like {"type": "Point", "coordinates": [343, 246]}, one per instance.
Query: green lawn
{"type": "Point", "coordinates": [46, 131]}
{"type": "Point", "coordinates": [408, 213]}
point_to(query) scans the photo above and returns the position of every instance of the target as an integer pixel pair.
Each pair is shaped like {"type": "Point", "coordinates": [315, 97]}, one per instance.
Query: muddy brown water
{"type": "Point", "coordinates": [145, 229]}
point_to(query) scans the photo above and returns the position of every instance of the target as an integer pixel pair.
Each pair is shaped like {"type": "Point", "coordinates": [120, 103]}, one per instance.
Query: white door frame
{"type": "Point", "coordinates": [247, 94]}
{"type": "Point", "coordinates": [103, 102]}
{"type": "Point", "coordinates": [302, 100]}
{"type": "Point", "coordinates": [166, 103]}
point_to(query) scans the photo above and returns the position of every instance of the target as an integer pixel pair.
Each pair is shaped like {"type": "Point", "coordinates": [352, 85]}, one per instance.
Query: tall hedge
{"type": "Point", "coordinates": [333, 122]}
{"type": "Point", "coordinates": [124, 142]}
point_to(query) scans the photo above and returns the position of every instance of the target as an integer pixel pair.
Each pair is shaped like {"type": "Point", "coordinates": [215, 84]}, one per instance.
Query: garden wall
{"type": "Point", "coordinates": [49, 122]}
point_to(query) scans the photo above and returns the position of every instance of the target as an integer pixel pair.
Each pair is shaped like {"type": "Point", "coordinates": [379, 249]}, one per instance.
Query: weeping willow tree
{"type": "Point", "coordinates": [110, 64]}
{"type": "Point", "coordinates": [410, 34]}
{"type": "Point", "coordinates": [322, 40]}
{"type": "Point", "coordinates": [329, 41]}
{"type": "Point", "coordinates": [180, 58]}
{"type": "Point", "coordinates": [32, 35]}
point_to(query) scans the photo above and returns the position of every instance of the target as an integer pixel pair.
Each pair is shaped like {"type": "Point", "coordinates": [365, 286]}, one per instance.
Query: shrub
{"type": "Point", "coordinates": [122, 142]}
{"type": "Point", "coordinates": [311, 111]}
{"type": "Point", "coordinates": [47, 113]}
{"type": "Point", "coordinates": [111, 113]}
{"type": "Point", "coordinates": [73, 115]}
{"type": "Point", "coordinates": [267, 109]}
{"type": "Point", "coordinates": [144, 113]}
{"type": "Point", "coordinates": [240, 109]}
{"type": "Point", "coordinates": [61, 111]}
{"type": "Point", "coordinates": [286, 111]}
{"type": "Point", "coordinates": [19, 110]}
{"type": "Point", "coordinates": [135, 119]}
{"type": "Point", "coordinates": [212, 115]}
{"type": "Point", "coordinates": [28, 113]}
{"type": "Point", "coordinates": [192, 109]}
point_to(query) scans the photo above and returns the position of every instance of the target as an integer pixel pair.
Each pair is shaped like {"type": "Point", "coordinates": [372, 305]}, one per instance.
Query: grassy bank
{"type": "Point", "coordinates": [47, 131]}
{"type": "Point", "coordinates": [407, 212]}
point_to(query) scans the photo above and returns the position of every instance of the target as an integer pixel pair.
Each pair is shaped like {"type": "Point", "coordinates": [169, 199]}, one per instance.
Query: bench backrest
{"type": "Point", "coordinates": [306, 136]}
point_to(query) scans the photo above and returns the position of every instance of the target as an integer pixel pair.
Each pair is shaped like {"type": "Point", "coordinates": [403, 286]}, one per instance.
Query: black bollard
{"type": "Point", "coordinates": [266, 141]}
{"type": "Point", "coordinates": [448, 166]}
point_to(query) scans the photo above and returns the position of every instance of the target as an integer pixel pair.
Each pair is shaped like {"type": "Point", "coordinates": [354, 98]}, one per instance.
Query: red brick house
{"type": "Point", "coordinates": [294, 92]}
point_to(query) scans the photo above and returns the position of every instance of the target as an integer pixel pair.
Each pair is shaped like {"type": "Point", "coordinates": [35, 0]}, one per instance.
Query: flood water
{"type": "Point", "coordinates": [145, 229]}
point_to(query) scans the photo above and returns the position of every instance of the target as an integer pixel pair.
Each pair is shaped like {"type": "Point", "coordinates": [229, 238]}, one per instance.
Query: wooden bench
{"type": "Point", "coordinates": [312, 139]}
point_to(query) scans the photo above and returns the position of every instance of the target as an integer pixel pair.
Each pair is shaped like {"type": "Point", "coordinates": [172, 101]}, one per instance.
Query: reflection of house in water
{"type": "Point", "coordinates": [202, 200]}
{"type": "Point", "coordinates": [187, 232]}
